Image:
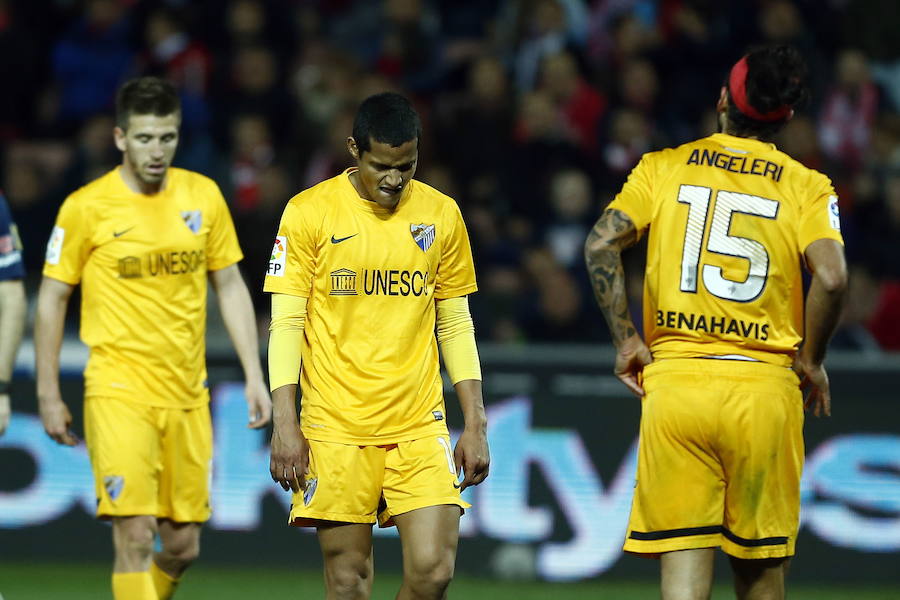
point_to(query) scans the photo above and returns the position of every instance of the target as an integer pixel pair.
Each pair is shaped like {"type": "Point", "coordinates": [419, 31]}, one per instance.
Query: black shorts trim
{"type": "Point", "coordinates": [707, 530]}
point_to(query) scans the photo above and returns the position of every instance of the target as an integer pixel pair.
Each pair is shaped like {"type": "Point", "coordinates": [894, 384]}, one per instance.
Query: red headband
{"type": "Point", "coordinates": [737, 85]}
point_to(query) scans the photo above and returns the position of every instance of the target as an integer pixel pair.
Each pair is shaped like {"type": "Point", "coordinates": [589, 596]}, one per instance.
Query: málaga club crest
{"type": "Point", "coordinates": [423, 235]}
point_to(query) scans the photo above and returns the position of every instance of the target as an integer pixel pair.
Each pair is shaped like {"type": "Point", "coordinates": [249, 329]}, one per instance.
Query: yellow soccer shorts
{"type": "Point", "coordinates": [719, 460]}
{"type": "Point", "coordinates": [364, 484]}
{"type": "Point", "coordinates": [149, 460]}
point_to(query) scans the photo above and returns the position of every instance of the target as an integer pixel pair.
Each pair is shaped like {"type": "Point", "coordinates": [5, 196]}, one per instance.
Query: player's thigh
{"type": "Point", "coordinates": [350, 542]}
{"type": "Point", "coordinates": [763, 455]}
{"type": "Point", "coordinates": [429, 537]}
{"type": "Point", "coordinates": [679, 478]}
{"type": "Point", "coordinates": [186, 465]}
{"type": "Point", "coordinates": [343, 485]}
{"type": "Point", "coordinates": [123, 440]}
{"type": "Point", "coordinates": [417, 474]}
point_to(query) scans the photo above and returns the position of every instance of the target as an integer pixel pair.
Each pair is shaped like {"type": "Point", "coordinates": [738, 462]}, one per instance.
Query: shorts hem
{"type": "Point", "coordinates": [738, 551]}
{"type": "Point", "coordinates": [655, 548]}
{"type": "Point", "coordinates": [386, 518]}
{"type": "Point", "coordinates": [148, 512]}
{"type": "Point", "coordinates": [311, 518]}
{"type": "Point", "coordinates": [140, 511]}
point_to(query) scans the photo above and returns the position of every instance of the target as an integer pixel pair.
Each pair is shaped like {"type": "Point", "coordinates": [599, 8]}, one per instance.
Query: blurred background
{"type": "Point", "coordinates": [534, 112]}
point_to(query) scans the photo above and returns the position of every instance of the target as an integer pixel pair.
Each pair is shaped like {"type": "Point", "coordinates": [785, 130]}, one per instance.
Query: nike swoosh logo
{"type": "Point", "coordinates": [123, 232]}
{"type": "Point", "coordinates": [335, 240]}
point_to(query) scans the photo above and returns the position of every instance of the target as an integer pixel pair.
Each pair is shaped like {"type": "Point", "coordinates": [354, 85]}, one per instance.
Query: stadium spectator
{"type": "Point", "coordinates": [581, 105]}
{"type": "Point", "coordinates": [849, 111]}
{"type": "Point", "coordinates": [91, 60]}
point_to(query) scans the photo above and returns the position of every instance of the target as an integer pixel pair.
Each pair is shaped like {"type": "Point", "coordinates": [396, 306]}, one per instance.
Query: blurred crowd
{"type": "Point", "coordinates": [534, 112]}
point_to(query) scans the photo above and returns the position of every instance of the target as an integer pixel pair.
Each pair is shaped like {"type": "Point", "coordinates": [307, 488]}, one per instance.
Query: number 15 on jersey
{"type": "Point", "coordinates": [720, 241]}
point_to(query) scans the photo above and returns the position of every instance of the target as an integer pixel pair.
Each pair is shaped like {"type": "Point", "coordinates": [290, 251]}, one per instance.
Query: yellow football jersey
{"type": "Point", "coordinates": [729, 221]}
{"type": "Point", "coordinates": [142, 263]}
{"type": "Point", "coordinates": [370, 370]}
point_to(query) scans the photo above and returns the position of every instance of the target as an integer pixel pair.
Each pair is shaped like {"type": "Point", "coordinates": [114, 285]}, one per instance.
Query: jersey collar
{"type": "Point", "coordinates": [724, 139]}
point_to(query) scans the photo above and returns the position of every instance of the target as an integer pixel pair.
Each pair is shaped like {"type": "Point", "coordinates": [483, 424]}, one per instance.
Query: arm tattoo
{"type": "Point", "coordinates": [612, 233]}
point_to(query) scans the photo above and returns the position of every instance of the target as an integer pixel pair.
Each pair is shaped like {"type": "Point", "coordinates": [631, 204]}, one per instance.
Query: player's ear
{"type": "Point", "coordinates": [353, 148]}
{"type": "Point", "coordinates": [119, 137]}
{"type": "Point", "coordinates": [722, 104]}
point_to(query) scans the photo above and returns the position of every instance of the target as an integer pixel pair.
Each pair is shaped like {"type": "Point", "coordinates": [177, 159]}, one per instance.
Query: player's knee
{"type": "Point", "coordinates": [184, 551]}
{"type": "Point", "coordinates": [348, 576]}
{"type": "Point", "coordinates": [133, 542]}
{"type": "Point", "coordinates": [430, 574]}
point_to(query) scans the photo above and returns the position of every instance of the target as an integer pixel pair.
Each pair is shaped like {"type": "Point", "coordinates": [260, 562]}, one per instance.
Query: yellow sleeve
{"type": "Point", "coordinates": [456, 272]}
{"type": "Point", "coordinates": [636, 197]}
{"type": "Point", "coordinates": [286, 339]}
{"type": "Point", "coordinates": [222, 247]}
{"type": "Point", "coordinates": [293, 261]}
{"type": "Point", "coordinates": [70, 243]}
{"type": "Point", "coordinates": [456, 336]}
{"type": "Point", "coordinates": [820, 218]}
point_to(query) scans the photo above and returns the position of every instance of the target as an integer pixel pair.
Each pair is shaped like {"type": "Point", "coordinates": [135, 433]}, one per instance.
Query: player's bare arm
{"type": "Point", "coordinates": [12, 324]}
{"type": "Point", "coordinates": [53, 298]}
{"type": "Point", "coordinates": [824, 301]}
{"type": "Point", "coordinates": [289, 460]}
{"type": "Point", "coordinates": [612, 233]}
{"type": "Point", "coordinates": [471, 454]}
{"type": "Point", "coordinates": [237, 312]}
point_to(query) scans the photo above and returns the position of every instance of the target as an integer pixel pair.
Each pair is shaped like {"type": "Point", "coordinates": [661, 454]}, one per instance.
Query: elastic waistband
{"type": "Point", "coordinates": [718, 367]}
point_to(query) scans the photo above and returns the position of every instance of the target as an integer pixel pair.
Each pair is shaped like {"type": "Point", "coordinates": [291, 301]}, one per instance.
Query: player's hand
{"type": "Point", "coordinates": [289, 462]}
{"type": "Point", "coordinates": [57, 421]}
{"type": "Point", "coordinates": [472, 456]}
{"type": "Point", "coordinates": [814, 383]}
{"type": "Point", "coordinates": [4, 412]}
{"type": "Point", "coordinates": [631, 358]}
{"type": "Point", "coordinates": [259, 404]}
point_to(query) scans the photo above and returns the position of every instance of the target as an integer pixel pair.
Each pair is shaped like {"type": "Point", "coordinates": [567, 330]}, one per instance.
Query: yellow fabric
{"type": "Point", "coordinates": [163, 583]}
{"type": "Point", "coordinates": [456, 337]}
{"type": "Point", "coordinates": [133, 586]}
{"type": "Point", "coordinates": [699, 290]}
{"type": "Point", "coordinates": [365, 484]}
{"type": "Point", "coordinates": [142, 263]}
{"type": "Point", "coordinates": [149, 460]}
{"type": "Point", "coordinates": [719, 459]}
{"type": "Point", "coordinates": [286, 339]}
{"type": "Point", "coordinates": [371, 372]}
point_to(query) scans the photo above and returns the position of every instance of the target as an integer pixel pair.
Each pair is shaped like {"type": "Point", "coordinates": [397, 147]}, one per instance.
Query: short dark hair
{"type": "Point", "coordinates": [388, 118]}
{"type": "Point", "coordinates": [146, 96]}
{"type": "Point", "coordinates": [776, 77]}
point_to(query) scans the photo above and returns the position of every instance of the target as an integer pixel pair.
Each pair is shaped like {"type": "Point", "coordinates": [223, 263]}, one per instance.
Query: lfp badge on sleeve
{"type": "Point", "coordinates": [279, 252]}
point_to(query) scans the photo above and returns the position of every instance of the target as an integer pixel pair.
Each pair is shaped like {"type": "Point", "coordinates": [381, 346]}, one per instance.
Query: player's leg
{"type": "Point", "coordinates": [123, 443]}
{"type": "Point", "coordinates": [180, 548]}
{"type": "Point", "coordinates": [343, 488]}
{"type": "Point", "coordinates": [429, 537]}
{"type": "Point", "coordinates": [687, 574]}
{"type": "Point", "coordinates": [183, 493]}
{"type": "Point", "coordinates": [133, 544]}
{"type": "Point", "coordinates": [422, 498]}
{"type": "Point", "coordinates": [347, 553]}
{"type": "Point", "coordinates": [764, 458]}
{"type": "Point", "coordinates": [759, 579]}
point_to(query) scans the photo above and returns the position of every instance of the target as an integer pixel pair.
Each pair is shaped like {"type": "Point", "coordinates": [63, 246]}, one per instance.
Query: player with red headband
{"type": "Point", "coordinates": [728, 335]}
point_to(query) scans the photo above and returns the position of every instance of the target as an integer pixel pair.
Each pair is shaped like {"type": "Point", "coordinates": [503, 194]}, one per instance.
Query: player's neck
{"type": "Point", "coordinates": [138, 185]}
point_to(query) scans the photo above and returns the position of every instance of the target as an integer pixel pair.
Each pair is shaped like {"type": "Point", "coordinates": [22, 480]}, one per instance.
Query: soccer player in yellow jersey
{"type": "Point", "coordinates": [142, 241]}
{"type": "Point", "coordinates": [365, 266]}
{"type": "Point", "coordinates": [731, 221]}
